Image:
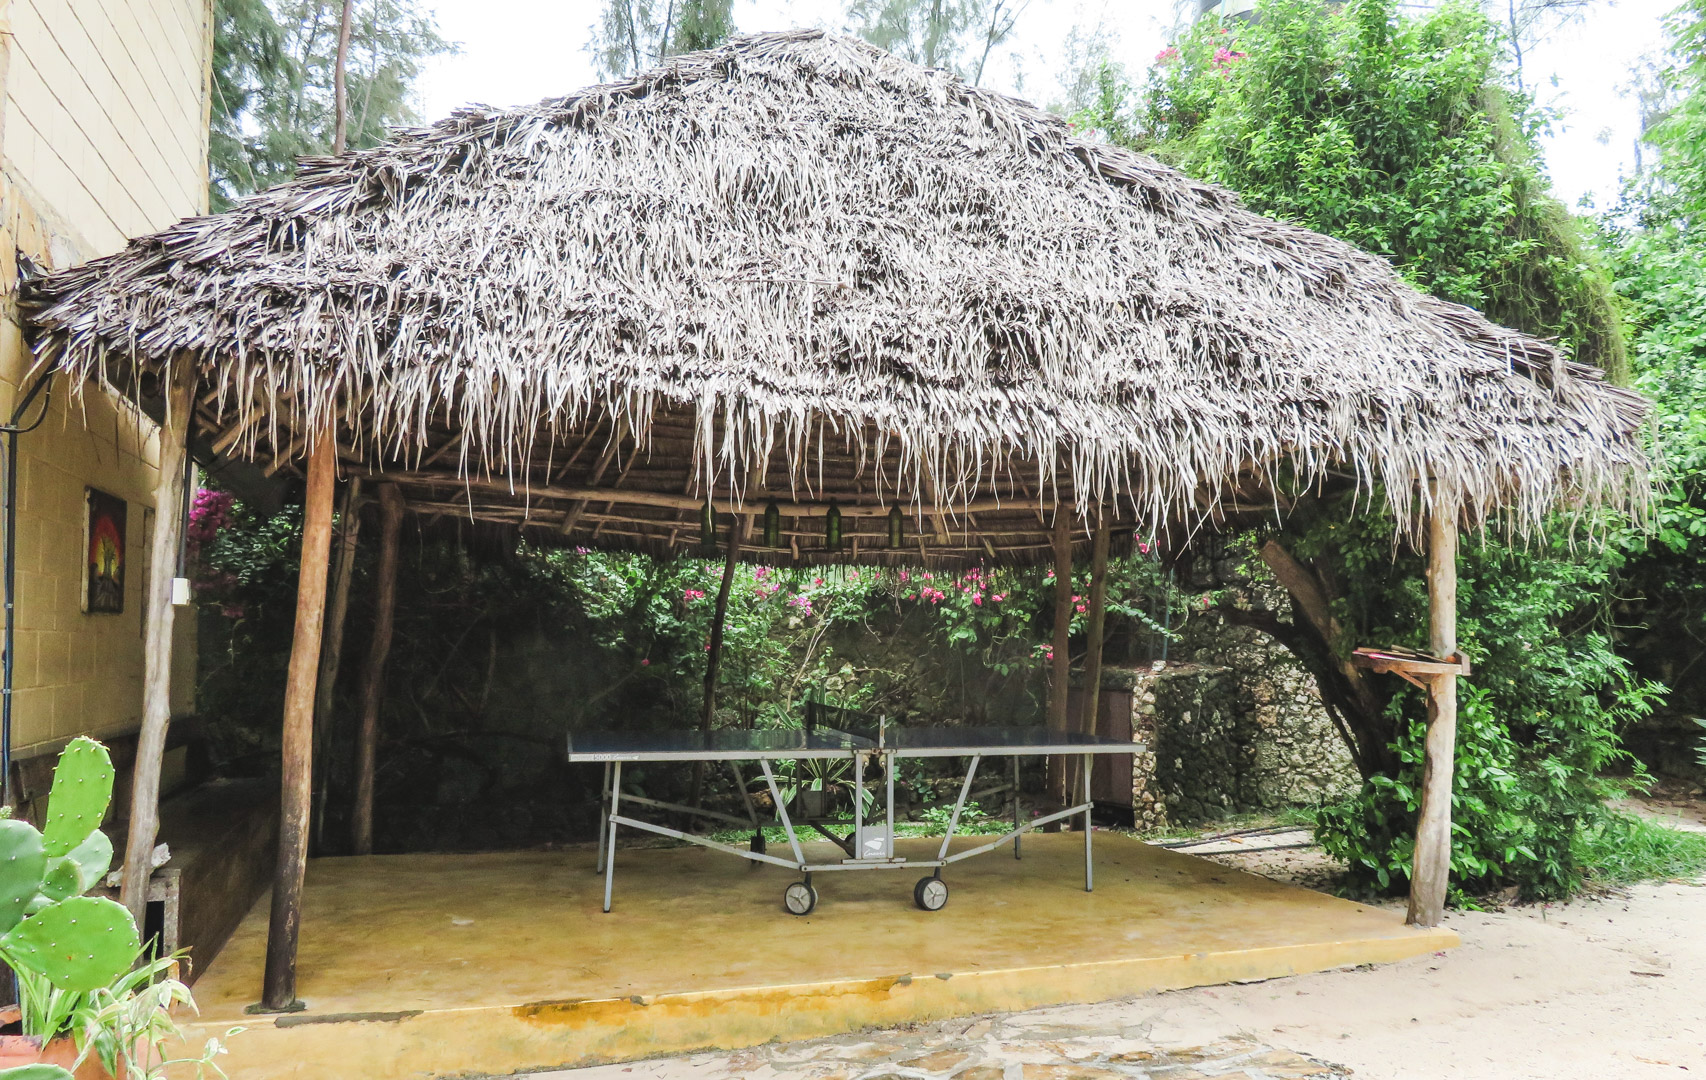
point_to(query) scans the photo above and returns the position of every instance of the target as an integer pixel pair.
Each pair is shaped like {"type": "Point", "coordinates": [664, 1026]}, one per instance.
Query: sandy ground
{"type": "Point", "coordinates": [1606, 988]}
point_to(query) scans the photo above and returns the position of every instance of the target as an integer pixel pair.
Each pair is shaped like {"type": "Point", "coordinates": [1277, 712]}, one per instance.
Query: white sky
{"type": "Point", "coordinates": [519, 51]}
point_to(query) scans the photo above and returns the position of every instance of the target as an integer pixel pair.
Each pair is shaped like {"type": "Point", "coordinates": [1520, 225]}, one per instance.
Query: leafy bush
{"type": "Point", "coordinates": [1538, 722]}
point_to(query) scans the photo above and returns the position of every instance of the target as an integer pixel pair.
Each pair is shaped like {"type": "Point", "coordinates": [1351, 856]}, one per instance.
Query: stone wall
{"type": "Point", "coordinates": [1233, 722]}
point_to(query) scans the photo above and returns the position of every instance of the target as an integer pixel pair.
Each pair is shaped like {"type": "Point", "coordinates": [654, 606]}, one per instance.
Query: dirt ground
{"type": "Point", "coordinates": [1611, 987]}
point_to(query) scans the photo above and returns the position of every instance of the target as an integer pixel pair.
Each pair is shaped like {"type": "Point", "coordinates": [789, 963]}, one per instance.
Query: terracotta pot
{"type": "Point", "coordinates": [18, 1050]}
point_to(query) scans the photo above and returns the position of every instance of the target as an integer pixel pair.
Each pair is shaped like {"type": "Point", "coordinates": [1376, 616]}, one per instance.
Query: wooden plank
{"type": "Point", "coordinates": [1431, 871]}
{"type": "Point", "coordinates": [296, 783]}
{"type": "Point", "coordinates": [573, 516]}
{"type": "Point", "coordinates": [159, 615]}
{"type": "Point", "coordinates": [373, 676]}
{"type": "Point", "coordinates": [672, 501]}
{"type": "Point", "coordinates": [1400, 661]}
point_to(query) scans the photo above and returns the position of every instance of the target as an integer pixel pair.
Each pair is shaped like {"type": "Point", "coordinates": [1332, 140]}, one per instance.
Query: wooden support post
{"type": "Point", "coordinates": [169, 498]}
{"type": "Point", "coordinates": [1061, 667]}
{"type": "Point", "coordinates": [373, 677]}
{"type": "Point", "coordinates": [714, 657]}
{"type": "Point", "coordinates": [1097, 619]}
{"type": "Point", "coordinates": [1431, 871]}
{"type": "Point", "coordinates": [296, 784]}
{"type": "Point", "coordinates": [332, 650]}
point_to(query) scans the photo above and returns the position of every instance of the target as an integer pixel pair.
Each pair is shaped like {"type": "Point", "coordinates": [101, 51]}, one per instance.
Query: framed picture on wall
{"type": "Point", "coordinates": [104, 548]}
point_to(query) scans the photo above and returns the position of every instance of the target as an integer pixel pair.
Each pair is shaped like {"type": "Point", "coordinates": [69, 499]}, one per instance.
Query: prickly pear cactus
{"type": "Point", "coordinates": [82, 788]}
{"type": "Point", "coordinates": [22, 864]}
{"type": "Point", "coordinates": [93, 858]}
{"type": "Point", "coordinates": [81, 944]}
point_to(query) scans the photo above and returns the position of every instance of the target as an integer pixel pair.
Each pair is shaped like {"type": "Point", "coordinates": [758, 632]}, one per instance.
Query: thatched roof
{"type": "Point", "coordinates": [799, 265]}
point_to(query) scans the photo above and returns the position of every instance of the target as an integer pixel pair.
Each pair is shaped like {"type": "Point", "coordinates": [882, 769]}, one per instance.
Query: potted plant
{"type": "Point", "coordinates": [84, 1003]}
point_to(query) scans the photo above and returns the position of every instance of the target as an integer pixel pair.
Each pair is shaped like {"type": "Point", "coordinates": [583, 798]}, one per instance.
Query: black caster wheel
{"type": "Point", "coordinates": [799, 898]}
{"type": "Point", "coordinates": [930, 893]}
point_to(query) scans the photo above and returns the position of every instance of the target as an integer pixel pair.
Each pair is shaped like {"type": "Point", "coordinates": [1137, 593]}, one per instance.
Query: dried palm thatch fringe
{"type": "Point", "coordinates": [886, 282]}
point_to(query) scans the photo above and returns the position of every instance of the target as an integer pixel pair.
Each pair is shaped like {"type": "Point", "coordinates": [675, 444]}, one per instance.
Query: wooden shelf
{"type": "Point", "coordinates": [1408, 664]}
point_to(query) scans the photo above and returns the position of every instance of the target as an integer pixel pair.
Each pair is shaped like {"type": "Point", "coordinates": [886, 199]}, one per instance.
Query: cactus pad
{"type": "Point", "coordinates": [60, 882]}
{"type": "Point", "coordinates": [81, 944]}
{"type": "Point", "coordinates": [22, 863]}
{"type": "Point", "coordinates": [93, 857]}
{"type": "Point", "coordinates": [82, 788]}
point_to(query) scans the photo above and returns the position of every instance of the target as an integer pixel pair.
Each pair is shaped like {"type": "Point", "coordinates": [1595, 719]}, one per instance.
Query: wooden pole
{"type": "Point", "coordinates": [158, 615]}
{"type": "Point", "coordinates": [332, 651]}
{"type": "Point", "coordinates": [373, 678]}
{"type": "Point", "coordinates": [1431, 870]}
{"type": "Point", "coordinates": [714, 657]}
{"type": "Point", "coordinates": [296, 784]}
{"type": "Point", "coordinates": [1097, 619]}
{"type": "Point", "coordinates": [1060, 674]}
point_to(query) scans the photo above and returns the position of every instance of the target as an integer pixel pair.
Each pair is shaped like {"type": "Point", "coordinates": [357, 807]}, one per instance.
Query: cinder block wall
{"type": "Point", "coordinates": [103, 136]}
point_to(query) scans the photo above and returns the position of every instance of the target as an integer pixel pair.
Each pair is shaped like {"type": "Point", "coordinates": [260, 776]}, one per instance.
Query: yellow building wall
{"type": "Point", "coordinates": [103, 136]}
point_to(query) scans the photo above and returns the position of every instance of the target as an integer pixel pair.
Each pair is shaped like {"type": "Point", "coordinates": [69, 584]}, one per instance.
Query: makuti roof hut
{"type": "Point", "coordinates": [796, 269]}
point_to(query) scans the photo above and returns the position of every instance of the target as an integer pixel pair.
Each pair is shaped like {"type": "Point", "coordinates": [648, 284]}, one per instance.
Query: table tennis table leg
{"type": "Point", "coordinates": [858, 805]}
{"type": "Point", "coordinates": [1089, 869]}
{"type": "Point", "coordinates": [610, 849]}
{"type": "Point", "coordinates": [889, 759]}
{"type": "Point", "coordinates": [603, 817]}
{"type": "Point", "coordinates": [1016, 804]}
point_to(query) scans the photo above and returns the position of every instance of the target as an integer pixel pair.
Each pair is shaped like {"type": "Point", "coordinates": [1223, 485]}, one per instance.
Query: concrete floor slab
{"type": "Point", "coordinates": [442, 965]}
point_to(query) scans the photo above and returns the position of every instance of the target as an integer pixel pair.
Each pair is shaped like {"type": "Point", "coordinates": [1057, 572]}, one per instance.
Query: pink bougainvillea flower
{"type": "Point", "coordinates": [1166, 55]}
{"type": "Point", "coordinates": [647, 663]}
{"type": "Point", "coordinates": [978, 599]}
{"type": "Point", "coordinates": [1082, 609]}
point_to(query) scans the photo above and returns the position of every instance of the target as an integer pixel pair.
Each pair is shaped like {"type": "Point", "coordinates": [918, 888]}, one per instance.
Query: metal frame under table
{"type": "Point", "coordinates": [882, 744]}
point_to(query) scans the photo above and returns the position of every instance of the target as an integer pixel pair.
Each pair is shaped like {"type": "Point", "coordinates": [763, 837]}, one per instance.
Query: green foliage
{"type": "Point", "coordinates": [1538, 722]}
{"type": "Point", "coordinates": [1397, 135]}
{"type": "Point", "coordinates": [956, 35]}
{"type": "Point", "coordinates": [633, 35]}
{"type": "Point", "coordinates": [1623, 849]}
{"type": "Point", "coordinates": [1656, 243]}
{"type": "Point", "coordinates": [501, 649]}
{"type": "Point", "coordinates": [273, 98]}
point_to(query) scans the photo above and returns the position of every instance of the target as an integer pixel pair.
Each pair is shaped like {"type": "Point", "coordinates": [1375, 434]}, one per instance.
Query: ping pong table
{"type": "Point", "coordinates": [870, 846]}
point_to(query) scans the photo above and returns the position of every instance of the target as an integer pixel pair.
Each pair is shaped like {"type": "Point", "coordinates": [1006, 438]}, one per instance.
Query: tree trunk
{"type": "Point", "coordinates": [714, 656]}
{"type": "Point", "coordinates": [339, 93]}
{"type": "Point", "coordinates": [1349, 693]}
{"type": "Point", "coordinates": [1060, 668]}
{"type": "Point", "coordinates": [373, 677]}
{"type": "Point", "coordinates": [1090, 718]}
{"type": "Point", "coordinates": [296, 783]}
{"type": "Point", "coordinates": [169, 498]}
{"type": "Point", "coordinates": [332, 650]}
{"type": "Point", "coordinates": [1431, 871]}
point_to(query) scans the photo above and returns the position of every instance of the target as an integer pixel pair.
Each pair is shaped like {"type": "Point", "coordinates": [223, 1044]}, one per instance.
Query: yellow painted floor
{"type": "Point", "coordinates": [445, 965]}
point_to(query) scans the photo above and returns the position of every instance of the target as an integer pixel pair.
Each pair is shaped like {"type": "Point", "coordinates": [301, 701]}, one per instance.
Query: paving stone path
{"type": "Point", "coordinates": [1046, 1044]}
